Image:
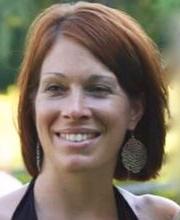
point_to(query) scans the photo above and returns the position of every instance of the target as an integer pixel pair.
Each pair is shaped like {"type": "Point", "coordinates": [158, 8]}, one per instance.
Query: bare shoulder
{"type": "Point", "coordinates": [8, 203]}
{"type": "Point", "coordinates": [162, 207]}
{"type": "Point", "coordinates": [148, 207]}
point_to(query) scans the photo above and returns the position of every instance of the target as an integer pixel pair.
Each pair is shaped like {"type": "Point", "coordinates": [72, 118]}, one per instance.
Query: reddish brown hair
{"type": "Point", "coordinates": [119, 42]}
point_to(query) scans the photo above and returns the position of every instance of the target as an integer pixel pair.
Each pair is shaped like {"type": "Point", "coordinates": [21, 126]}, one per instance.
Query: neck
{"type": "Point", "coordinates": [75, 196]}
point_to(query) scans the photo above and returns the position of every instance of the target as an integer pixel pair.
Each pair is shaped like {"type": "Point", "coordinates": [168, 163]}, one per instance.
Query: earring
{"type": "Point", "coordinates": [134, 155]}
{"type": "Point", "coordinates": [38, 157]}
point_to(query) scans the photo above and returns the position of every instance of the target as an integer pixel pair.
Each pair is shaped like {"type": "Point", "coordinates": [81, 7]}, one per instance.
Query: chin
{"type": "Point", "coordinates": [76, 164]}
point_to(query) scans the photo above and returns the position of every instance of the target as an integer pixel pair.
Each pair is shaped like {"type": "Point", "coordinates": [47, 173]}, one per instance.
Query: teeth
{"type": "Point", "coordinates": [77, 137]}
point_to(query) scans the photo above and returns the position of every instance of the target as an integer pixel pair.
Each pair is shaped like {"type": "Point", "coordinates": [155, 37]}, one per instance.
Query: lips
{"type": "Point", "coordinates": [78, 135]}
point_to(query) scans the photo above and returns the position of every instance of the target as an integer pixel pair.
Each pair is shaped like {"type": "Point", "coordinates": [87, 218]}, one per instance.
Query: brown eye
{"type": "Point", "coordinates": [99, 90]}
{"type": "Point", "coordinates": [56, 89]}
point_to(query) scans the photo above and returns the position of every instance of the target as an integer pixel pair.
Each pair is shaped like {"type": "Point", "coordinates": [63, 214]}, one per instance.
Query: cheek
{"type": "Point", "coordinates": [44, 114]}
{"type": "Point", "coordinates": [118, 124]}
{"type": "Point", "coordinates": [116, 118]}
{"type": "Point", "coordinates": [115, 113]}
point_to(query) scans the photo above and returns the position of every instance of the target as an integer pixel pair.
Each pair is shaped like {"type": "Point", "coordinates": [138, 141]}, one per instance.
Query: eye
{"type": "Point", "coordinates": [99, 90]}
{"type": "Point", "coordinates": [56, 89]}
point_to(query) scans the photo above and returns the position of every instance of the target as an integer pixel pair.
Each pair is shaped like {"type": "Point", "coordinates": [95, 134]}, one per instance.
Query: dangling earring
{"type": "Point", "coordinates": [134, 155]}
{"type": "Point", "coordinates": [38, 157]}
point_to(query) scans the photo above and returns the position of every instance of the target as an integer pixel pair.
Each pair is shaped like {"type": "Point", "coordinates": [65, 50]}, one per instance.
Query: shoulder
{"type": "Point", "coordinates": [161, 207]}
{"type": "Point", "coordinates": [151, 206]}
{"type": "Point", "coordinates": [8, 203]}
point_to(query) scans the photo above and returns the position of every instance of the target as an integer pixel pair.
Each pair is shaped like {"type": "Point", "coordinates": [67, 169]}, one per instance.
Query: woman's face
{"type": "Point", "coordinates": [82, 113]}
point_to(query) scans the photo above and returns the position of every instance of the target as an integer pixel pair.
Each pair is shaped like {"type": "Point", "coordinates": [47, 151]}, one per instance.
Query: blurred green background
{"type": "Point", "coordinates": [160, 19]}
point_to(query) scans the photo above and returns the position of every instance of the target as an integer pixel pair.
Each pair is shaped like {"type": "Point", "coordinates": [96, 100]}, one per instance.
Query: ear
{"type": "Point", "coordinates": [136, 113]}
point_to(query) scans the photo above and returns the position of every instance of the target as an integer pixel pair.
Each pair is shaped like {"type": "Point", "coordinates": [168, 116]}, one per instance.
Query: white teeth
{"type": "Point", "coordinates": [77, 137]}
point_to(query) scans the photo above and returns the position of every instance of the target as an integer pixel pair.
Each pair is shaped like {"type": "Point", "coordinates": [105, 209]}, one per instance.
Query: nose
{"type": "Point", "coordinates": [76, 107]}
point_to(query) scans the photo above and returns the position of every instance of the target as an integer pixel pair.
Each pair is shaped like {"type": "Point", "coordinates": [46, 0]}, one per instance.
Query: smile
{"type": "Point", "coordinates": [79, 137]}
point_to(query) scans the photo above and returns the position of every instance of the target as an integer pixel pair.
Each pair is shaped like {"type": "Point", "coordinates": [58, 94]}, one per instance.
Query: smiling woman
{"type": "Point", "coordinates": [91, 108]}
{"type": "Point", "coordinates": [77, 110]}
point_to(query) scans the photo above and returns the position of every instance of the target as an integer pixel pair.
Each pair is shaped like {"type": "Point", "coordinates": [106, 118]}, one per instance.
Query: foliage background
{"type": "Point", "coordinates": [159, 18]}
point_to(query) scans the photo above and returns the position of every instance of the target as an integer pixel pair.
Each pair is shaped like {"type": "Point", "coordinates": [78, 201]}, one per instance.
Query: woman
{"type": "Point", "coordinates": [91, 108]}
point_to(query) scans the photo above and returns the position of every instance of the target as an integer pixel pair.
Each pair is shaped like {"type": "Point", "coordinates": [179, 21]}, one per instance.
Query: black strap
{"type": "Point", "coordinates": [125, 212]}
{"type": "Point", "coordinates": [26, 208]}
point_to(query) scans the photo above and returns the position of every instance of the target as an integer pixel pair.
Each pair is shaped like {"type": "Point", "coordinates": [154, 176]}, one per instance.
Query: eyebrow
{"type": "Point", "coordinates": [53, 74]}
{"type": "Point", "coordinates": [111, 80]}
{"type": "Point", "coordinates": [102, 78]}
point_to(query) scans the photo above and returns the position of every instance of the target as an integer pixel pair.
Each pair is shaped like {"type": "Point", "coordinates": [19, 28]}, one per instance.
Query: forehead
{"type": "Point", "coordinates": [69, 57]}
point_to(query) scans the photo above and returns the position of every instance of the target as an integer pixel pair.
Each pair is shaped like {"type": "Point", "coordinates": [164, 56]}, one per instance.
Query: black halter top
{"type": "Point", "coordinates": [26, 208]}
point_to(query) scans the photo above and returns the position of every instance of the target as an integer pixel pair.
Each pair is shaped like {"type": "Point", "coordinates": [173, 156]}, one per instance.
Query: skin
{"type": "Point", "coordinates": [146, 207]}
{"type": "Point", "coordinates": [78, 94]}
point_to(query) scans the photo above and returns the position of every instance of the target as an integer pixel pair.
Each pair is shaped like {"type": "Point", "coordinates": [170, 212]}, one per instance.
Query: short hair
{"type": "Point", "coordinates": [119, 42]}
